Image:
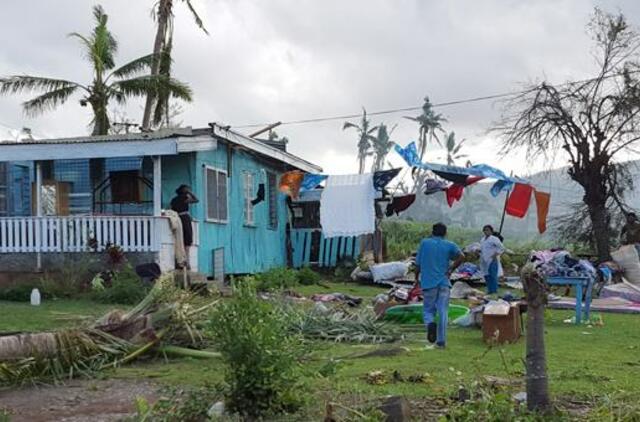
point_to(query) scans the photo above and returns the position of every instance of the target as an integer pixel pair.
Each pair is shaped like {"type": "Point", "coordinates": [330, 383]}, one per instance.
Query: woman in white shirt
{"type": "Point", "coordinates": [490, 250]}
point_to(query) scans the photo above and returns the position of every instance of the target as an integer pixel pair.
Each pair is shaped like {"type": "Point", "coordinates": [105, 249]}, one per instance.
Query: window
{"type": "Point", "coordinates": [249, 193]}
{"type": "Point", "coordinates": [272, 192]}
{"type": "Point", "coordinates": [216, 189]}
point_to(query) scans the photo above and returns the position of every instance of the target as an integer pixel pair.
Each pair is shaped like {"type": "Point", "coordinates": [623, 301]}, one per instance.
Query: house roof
{"type": "Point", "coordinates": [161, 142]}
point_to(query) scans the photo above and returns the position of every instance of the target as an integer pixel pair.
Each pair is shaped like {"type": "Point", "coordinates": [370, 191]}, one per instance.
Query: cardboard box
{"type": "Point", "coordinates": [500, 329]}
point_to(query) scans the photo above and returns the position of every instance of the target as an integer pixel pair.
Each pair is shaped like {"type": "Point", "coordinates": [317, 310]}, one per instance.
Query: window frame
{"type": "Point", "coordinates": [272, 224]}
{"type": "Point", "coordinates": [248, 192]}
{"type": "Point", "coordinates": [217, 171]}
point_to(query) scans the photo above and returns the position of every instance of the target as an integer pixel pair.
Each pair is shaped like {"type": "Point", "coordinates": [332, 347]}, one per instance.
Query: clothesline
{"type": "Point", "coordinates": [517, 203]}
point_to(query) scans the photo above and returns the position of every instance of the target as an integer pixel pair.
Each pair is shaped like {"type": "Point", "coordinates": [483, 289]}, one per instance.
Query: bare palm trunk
{"type": "Point", "coordinates": [164, 13]}
{"type": "Point", "coordinates": [536, 361]}
{"type": "Point", "coordinates": [24, 345]}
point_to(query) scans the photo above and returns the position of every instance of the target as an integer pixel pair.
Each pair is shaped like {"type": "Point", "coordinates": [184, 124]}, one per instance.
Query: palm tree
{"type": "Point", "coordinates": [365, 138]}
{"type": "Point", "coordinates": [453, 148]}
{"type": "Point", "coordinates": [108, 82]}
{"type": "Point", "coordinates": [158, 102]}
{"type": "Point", "coordinates": [382, 145]}
{"type": "Point", "coordinates": [429, 123]}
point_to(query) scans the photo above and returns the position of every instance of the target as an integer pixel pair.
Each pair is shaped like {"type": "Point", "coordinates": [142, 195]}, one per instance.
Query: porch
{"type": "Point", "coordinates": [144, 235]}
{"type": "Point", "coordinates": [80, 195]}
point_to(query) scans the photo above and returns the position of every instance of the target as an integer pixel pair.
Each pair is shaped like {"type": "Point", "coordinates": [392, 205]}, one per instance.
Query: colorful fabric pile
{"type": "Point", "coordinates": [560, 263]}
{"type": "Point", "coordinates": [467, 271]}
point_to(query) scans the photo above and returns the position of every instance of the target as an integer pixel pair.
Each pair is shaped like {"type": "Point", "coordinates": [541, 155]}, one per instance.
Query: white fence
{"type": "Point", "coordinates": [78, 234]}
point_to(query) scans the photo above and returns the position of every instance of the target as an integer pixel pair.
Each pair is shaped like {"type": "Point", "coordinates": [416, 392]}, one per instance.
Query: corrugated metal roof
{"type": "Point", "coordinates": [139, 136]}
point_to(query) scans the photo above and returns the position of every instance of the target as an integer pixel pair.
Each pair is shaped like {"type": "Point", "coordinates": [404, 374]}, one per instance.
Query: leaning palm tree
{"type": "Point", "coordinates": [430, 123]}
{"type": "Point", "coordinates": [382, 145]}
{"type": "Point", "coordinates": [157, 103]}
{"type": "Point", "coordinates": [109, 83]}
{"type": "Point", "coordinates": [365, 138]}
{"type": "Point", "coordinates": [453, 148]}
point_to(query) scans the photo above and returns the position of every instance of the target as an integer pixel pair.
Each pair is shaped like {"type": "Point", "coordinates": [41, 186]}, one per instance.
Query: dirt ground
{"type": "Point", "coordinates": [77, 400]}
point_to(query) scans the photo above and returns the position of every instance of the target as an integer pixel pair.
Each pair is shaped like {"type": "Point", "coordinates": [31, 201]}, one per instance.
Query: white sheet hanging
{"type": "Point", "coordinates": [347, 205]}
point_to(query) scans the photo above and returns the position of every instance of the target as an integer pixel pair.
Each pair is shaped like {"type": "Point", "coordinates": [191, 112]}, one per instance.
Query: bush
{"type": "Point", "coordinates": [277, 278]}
{"type": "Point", "coordinates": [18, 292]}
{"type": "Point", "coordinates": [263, 375]}
{"type": "Point", "coordinates": [308, 277]}
{"type": "Point", "coordinates": [126, 288]}
{"type": "Point", "coordinates": [175, 404]}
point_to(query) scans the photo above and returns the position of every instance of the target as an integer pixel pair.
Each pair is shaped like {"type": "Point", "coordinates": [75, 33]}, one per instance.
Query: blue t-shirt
{"type": "Point", "coordinates": [433, 259]}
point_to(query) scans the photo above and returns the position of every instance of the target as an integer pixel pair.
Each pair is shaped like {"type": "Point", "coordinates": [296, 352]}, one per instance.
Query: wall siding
{"type": "Point", "coordinates": [246, 249]}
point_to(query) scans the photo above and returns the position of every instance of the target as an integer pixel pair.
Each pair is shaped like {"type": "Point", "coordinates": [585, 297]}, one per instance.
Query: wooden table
{"type": "Point", "coordinates": [582, 285]}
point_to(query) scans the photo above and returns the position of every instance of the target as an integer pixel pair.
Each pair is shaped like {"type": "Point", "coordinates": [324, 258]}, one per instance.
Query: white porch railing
{"type": "Point", "coordinates": [78, 234]}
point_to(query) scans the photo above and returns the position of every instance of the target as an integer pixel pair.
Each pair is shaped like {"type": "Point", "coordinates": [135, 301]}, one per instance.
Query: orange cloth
{"type": "Point", "coordinates": [542, 204]}
{"type": "Point", "coordinates": [290, 183]}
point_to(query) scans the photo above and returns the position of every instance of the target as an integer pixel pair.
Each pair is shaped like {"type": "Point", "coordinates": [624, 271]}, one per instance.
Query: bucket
{"type": "Point", "coordinates": [412, 314]}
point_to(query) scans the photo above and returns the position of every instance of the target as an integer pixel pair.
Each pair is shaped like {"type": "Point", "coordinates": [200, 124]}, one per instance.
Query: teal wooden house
{"type": "Point", "coordinates": [66, 197]}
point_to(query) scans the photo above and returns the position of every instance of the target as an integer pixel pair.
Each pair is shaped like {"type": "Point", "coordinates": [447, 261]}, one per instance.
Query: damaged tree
{"type": "Point", "coordinates": [536, 361]}
{"type": "Point", "coordinates": [592, 121]}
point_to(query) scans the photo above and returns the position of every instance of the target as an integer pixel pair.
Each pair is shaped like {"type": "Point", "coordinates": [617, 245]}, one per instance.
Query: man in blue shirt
{"type": "Point", "coordinates": [432, 272]}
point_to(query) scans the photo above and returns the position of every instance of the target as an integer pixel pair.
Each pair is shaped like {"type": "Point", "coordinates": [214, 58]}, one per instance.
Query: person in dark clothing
{"type": "Point", "coordinates": [630, 233]}
{"type": "Point", "coordinates": [180, 204]}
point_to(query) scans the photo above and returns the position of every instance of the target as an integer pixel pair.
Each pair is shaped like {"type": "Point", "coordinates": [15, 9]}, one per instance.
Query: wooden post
{"type": "Point", "coordinates": [536, 359]}
{"type": "Point", "coordinates": [39, 212]}
{"type": "Point", "coordinates": [157, 186]}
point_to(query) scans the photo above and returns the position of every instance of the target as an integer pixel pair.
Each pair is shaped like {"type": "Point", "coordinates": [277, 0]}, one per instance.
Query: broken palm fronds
{"type": "Point", "coordinates": [186, 352]}
{"type": "Point", "coordinates": [166, 317]}
{"type": "Point", "coordinates": [342, 326]}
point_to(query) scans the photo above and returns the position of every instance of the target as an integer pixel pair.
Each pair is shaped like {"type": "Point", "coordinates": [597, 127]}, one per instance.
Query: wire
{"type": "Point", "coordinates": [443, 104]}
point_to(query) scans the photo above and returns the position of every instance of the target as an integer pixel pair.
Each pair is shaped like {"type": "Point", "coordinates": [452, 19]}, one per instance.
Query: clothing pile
{"type": "Point", "coordinates": [468, 272]}
{"type": "Point", "coordinates": [560, 263]}
{"type": "Point", "coordinates": [338, 298]}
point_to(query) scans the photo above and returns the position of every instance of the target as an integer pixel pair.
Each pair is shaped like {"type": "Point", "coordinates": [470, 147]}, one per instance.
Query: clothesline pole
{"type": "Point", "coordinates": [504, 208]}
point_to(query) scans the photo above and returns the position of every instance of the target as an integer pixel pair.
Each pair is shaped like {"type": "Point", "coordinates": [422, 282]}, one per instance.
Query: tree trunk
{"type": "Point", "coordinates": [164, 13]}
{"type": "Point", "coordinates": [598, 215]}
{"type": "Point", "coordinates": [21, 346]}
{"type": "Point", "coordinates": [100, 118]}
{"type": "Point", "coordinates": [536, 361]}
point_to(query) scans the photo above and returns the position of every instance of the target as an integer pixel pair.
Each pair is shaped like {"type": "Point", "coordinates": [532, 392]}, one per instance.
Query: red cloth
{"type": "Point", "coordinates": [454, 192]}
{"type": "Point", "coordinates": [542, 204]}
{"type": "Point", "coordinates": [519, 200]}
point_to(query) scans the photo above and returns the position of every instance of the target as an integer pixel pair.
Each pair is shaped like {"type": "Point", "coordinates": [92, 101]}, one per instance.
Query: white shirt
{"type": "Point", "coordinates": [490, 247]}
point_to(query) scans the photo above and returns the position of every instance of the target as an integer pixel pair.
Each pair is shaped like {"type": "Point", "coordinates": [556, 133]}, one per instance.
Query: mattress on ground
{"type": "Point", "coordinates": [610, 304]}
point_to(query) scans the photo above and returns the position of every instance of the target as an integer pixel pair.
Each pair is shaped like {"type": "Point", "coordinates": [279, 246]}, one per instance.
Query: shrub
{"type": "Point", "coordinates": [176, 404]}
{"type": "Point", "coordinates": [263, 375]}
{"type": "Point", "coordinates": [18, 292]}
{"type": "Point", "coordinates": [277, 278]}
{"type": "Point", "coordinates": [308, 277]}
{"type": "Point", "coordinates": [126, 288]}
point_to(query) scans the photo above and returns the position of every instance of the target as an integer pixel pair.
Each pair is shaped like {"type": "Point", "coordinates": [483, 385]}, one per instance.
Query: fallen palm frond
{"type": "Point", "coordinates": [343, 326]}
{"type": "Point", "coordinates": [164, 320]}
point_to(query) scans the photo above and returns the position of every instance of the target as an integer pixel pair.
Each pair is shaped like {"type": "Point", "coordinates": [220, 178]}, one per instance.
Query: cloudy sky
{"type": "Point", "coordinates": [284, 60]}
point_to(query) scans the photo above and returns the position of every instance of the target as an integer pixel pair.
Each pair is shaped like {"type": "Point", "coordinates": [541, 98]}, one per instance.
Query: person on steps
{"type": "Point", "coordinates": [180, 204]}
{"type": "Point", "coordinates": [432, 273]}
{"type": "Point", "coordinates": [490, 250]}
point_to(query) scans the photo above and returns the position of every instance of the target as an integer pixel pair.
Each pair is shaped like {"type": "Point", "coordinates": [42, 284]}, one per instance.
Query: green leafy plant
{"type": "Point", "coordinates": [276, 279]}
{"type": "Point", "coordinates": [262, 371]}
{"type": "Point", "coordinates": [308, 277]}
{"type": "Point", "coordinates": [177, 404]}
{"type": "Point", "coordinates": [126, 288]}
{"type": "Point", "coordinates": [19, 292]}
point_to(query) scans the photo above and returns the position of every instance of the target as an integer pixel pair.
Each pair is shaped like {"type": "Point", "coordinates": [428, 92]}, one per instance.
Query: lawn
{"type": "Point", "coordinates": [51, 314]}
{"type": "Point", "coordinates": [582, 360]}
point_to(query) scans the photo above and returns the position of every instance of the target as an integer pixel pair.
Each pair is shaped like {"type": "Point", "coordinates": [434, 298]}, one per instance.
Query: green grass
{"type": "Point", "coordinates": [582, 360]}
{"type": "Point", "coordinates": [51, 314]}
